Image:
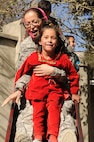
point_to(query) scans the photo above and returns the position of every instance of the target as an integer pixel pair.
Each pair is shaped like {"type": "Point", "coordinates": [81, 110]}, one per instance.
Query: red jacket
{"type": "Point", "coordinates": [62, 63]}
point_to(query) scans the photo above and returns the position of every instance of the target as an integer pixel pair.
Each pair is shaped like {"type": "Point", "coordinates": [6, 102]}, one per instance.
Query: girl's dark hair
{"type": "Point", "coordinates": [47, 25]}
{"type": "Point", "coordinates": [68, 36]}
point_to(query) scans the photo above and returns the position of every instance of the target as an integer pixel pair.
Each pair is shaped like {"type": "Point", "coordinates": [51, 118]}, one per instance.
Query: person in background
{"type": "Point", "coordinates": [74, 58]}
{"type": "Point", "coordinates": [46, 6]}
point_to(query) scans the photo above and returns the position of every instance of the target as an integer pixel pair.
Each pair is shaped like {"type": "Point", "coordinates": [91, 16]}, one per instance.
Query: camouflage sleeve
{"type": "Point", "coordinates": [22, 83]}
{"type": "Point", "coordinates": [26, 48]}
{"type": "Point", "coordinates": [59, 75]}
{"type": "Point", "coordinates": [60, 72]}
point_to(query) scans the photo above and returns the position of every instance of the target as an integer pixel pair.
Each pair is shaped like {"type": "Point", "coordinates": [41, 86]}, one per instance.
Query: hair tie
{"type": "Point", "coordinates": [51, 24]}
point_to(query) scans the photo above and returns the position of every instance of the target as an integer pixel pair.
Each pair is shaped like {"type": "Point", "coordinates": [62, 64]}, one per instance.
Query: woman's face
{"type": "Point", "coordinates": [32, 23]}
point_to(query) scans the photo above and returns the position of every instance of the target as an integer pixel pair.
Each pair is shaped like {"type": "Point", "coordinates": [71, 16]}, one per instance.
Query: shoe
{"type": "Point", "coordinates": [22, 138]}
{"type": "Point", "coordinates": [68, 136]}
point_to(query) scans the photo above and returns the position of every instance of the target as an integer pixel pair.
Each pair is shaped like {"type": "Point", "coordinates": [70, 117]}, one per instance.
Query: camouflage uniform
{"type": "Point", "coordinates": [24, 125]}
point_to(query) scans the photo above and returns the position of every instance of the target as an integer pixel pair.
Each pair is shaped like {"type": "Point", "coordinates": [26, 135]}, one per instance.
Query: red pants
{"type": "Point", "coordinates": [53, 105]}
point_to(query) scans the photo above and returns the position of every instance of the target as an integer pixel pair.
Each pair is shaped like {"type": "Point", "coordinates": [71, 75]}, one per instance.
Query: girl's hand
{"type": "Point", "coordinates": [76, 98]}
{"type": "Point", "coordinates": [44, 69]}
{"type": "Point", "coordinates": [14, 96]}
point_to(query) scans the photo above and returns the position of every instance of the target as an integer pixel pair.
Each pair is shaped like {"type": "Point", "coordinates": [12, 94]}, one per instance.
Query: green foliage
{"type": "Point", "coordinates": [83, 11]}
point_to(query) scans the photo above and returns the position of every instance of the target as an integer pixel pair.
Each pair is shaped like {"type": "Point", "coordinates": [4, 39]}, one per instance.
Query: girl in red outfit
{"type": "Point", "coordinates": [45, 92]}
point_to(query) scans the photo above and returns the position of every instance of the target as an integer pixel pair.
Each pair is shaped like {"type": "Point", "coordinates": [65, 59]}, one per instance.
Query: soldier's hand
{"type": "Point", "coordinates": [14, 96]}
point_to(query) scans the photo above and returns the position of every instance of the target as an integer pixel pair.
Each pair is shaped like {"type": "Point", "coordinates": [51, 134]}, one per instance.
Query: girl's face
{"type": "Point", "coordinates": [48, 41]}
{"type": "Point", "coordinates": [32, 22]}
